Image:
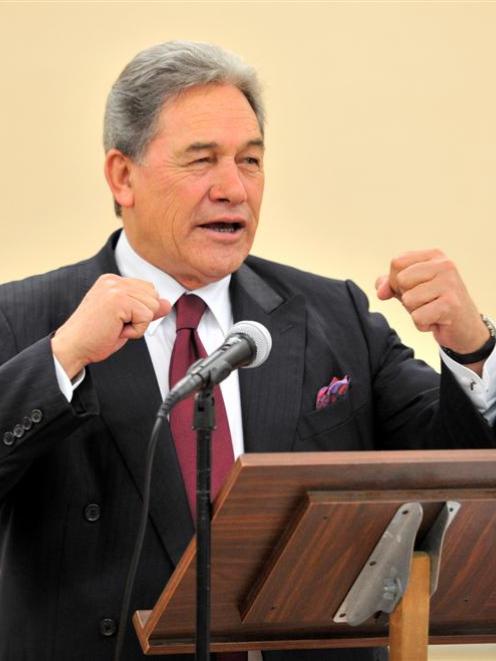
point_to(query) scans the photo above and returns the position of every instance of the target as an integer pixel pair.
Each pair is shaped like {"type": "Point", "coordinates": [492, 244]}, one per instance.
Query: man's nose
{"type": "Point", "coordinates": [228, 185]}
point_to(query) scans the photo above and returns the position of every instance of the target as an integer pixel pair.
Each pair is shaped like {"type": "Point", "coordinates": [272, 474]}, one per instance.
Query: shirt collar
{"type": "Point", "coordinates": [215, 294]}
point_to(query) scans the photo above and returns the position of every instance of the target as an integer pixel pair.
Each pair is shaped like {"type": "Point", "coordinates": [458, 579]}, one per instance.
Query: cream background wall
{"type": "Point", "coordinates": [381, 131]}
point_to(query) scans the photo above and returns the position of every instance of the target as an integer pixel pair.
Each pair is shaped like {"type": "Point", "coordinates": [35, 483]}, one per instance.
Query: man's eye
{"type": "Point", "coordinates": [204, 159]}
{"type": "Point", "coordinates": [252, 160]}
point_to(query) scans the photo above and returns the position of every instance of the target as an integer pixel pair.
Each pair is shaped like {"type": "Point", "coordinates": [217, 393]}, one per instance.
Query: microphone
{"type": "Point", "coordinates": [247, 344]}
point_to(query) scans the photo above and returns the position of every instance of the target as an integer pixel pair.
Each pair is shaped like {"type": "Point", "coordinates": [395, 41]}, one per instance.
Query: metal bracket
{"type": "Point", "coordinates": [433, 541]}
{"type": "Point", "coordinates": [384, 577]}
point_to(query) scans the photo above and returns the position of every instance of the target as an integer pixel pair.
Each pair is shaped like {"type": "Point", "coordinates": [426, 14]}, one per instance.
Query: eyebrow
{"type": "Point", "coordinates": [200, 146]}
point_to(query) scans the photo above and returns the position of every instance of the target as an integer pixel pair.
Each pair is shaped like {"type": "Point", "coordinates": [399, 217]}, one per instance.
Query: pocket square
{"type": "Point", "coordinates": [329, 394]}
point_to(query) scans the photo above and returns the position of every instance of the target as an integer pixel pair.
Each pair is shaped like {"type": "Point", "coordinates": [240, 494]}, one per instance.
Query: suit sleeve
{"type": "Point", "coordinates": [415, 408]}
{"type": "Point", "coordinates": [34, 414]}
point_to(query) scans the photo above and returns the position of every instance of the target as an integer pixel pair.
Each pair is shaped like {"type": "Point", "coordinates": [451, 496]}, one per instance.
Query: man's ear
{"type": "Point", "coordinates": [117, 173]}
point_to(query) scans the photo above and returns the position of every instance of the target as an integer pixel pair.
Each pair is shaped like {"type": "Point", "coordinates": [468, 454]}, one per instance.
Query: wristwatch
{"type": "Point", "coordinates": [480, 354]}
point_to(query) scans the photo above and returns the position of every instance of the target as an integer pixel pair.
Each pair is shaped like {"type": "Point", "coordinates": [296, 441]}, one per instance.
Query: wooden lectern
{"type": "Point", "coordinates": [294, 534]}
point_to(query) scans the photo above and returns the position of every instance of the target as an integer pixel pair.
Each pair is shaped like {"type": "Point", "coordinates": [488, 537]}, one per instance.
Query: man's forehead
{"type": "Point", "coordinates": [205, 112]}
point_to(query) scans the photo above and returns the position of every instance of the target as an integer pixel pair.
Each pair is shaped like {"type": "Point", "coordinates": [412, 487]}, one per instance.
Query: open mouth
{"type": "Point", "coordinates": [223, 227]}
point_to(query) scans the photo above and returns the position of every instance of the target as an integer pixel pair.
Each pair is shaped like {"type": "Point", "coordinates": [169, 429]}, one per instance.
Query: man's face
{"type": "Point", "coordinates": [197, 191]}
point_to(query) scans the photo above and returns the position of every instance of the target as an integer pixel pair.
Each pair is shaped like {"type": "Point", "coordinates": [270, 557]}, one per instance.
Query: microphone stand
{"type": "Point", "coordinates": [203, 424]}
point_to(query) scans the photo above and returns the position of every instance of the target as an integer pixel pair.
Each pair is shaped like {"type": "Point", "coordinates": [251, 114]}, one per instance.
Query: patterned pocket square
{"type": "Point", "coordinates": [329, 394]}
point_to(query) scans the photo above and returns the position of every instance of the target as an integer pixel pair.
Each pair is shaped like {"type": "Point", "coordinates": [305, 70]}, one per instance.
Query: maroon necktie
{"type": "Point", "coordinates": [187, 349]}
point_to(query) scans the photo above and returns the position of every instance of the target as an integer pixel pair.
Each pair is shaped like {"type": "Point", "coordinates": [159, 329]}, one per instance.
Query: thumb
{"type": "Point", "coordinates": [163, 310]}
{"type": "Point", "coordinates": [383, 288]}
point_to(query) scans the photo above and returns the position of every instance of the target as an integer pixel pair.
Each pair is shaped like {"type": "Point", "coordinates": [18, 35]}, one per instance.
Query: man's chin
{"type": "Point", "coordinates": [210, 274]}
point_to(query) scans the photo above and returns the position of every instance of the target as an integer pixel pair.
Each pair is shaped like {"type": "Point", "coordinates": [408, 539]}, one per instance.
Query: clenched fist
{"type": "Point", "coordinates": [113, 311]}
{"type": "Point", "coordinates": [431, 289]}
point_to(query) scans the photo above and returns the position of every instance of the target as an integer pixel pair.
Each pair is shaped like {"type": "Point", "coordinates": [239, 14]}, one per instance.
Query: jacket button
{"type": "Point", "coordinates": [108, 627]}
{"type": "Point", "coordinates": [92, 513]}
{"type": "Point", "coordinates": [18, 431]}
{"type": "Point", "coordinates": [36, 415]}
{"type": "Point", "coordinates": [27, 423]}
{"type": "Point", "coordinates": [8, 438]}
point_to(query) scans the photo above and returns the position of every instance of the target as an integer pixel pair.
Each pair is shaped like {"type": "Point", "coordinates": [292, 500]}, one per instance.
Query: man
{"type": "Point", "coordinates": [85, 354]}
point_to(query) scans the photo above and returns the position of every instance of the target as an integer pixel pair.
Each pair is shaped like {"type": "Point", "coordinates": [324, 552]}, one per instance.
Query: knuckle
{"type": "Point", "coordinates": [407, 300]}
{"type": "Point", "coordinates": [418, 317]}
{"type": "Point", "coordinates": [402, 280]}
{"type": "Point", "coordinates": [419, 320]}
{"type": "Point", "coordinates": [451, 303]}
{"type": "Point", "coordinates": [143, 316]}
{"type": "Point", "coordinates": [140, 328]}
{"type": "Point", "coordinates": [447, 264]}
{"type": "Point", "coordinates": [114, 294]}
{"type": "Point", "coordinates": [399, 261]}
{"type": "Point", "coordinates": [396, 262]}
{"type": "Point", "coordinates": [107, 278]}
{"type": "Point", "coordinates": [153, 304]}
{"type": "Point", "coordinates": [110, 284]}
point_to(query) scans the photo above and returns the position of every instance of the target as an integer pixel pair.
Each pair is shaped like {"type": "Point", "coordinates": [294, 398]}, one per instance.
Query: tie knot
{"type": "Point", "coordinates": [189, 310]}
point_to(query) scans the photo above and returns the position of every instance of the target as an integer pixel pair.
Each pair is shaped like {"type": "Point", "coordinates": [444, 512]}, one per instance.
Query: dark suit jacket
{"type": "Point", "coordinates": [71, 474]}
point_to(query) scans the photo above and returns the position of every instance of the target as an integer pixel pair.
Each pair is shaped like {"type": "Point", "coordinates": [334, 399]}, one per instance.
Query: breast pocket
{"type": "Point", "coordinates": [330, 417]}
{"type": "Point", "coordinates": [335, 427]}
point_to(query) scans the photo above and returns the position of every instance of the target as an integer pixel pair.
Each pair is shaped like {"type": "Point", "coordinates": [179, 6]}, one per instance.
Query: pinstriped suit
{"type": "Point", "coordinates": [70, 483]}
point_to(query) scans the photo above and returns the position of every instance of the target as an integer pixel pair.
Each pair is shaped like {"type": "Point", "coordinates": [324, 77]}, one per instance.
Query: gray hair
{"type": "Point", "coordinates": [160, 73]}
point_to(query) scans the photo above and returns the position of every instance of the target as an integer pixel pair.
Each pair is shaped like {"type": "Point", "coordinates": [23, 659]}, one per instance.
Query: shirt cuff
{"type": "Point", "coordinates": [67, 387]}
{"type": "Point", "coordinates": [480, 390]}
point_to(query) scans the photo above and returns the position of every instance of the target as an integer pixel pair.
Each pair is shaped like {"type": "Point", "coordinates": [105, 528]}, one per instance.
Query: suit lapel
{"type": "Point", "coordinates": [271, 393]}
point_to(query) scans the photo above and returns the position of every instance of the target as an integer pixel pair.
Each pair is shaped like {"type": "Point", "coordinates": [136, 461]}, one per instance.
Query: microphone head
{"type": "Point", "coordinates": [259, 336]}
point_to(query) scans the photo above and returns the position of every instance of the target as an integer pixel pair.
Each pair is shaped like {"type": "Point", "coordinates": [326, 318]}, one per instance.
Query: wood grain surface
{"type": "Point", "coordinates": [271, 590]}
